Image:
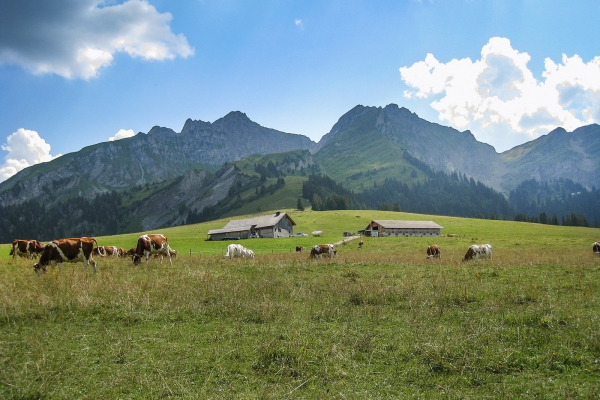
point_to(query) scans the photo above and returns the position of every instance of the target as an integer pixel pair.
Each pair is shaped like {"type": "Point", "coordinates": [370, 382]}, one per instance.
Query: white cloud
{"type": "Point", "coordinates": [122, 134]}
{"type": "Point", "coordinates": [77, 38]}
{"type": "Point", "coordinates": [498, 93]}
{"type": "Point", "coordinates": [25, 148]}
{"type": "Point", "coordinates": [299, 23]}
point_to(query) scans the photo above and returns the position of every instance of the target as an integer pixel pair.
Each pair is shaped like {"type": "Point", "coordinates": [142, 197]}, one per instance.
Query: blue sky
{"type": "Point", "coordinates": [78, 72]}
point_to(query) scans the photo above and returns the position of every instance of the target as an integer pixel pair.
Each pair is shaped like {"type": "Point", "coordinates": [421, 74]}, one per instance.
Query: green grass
{"type": "Point", "coordinates": [377, 322]}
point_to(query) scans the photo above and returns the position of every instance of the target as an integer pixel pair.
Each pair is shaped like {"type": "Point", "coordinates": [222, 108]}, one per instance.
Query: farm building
{"type": "Point", "coordinates": [402, 228]}
{"type": "Point", "coordinates": [267, 226]}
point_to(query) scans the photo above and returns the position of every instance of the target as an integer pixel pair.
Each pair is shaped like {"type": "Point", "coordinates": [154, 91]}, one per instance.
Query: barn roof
{"type": "Point", "coordinates": [402, 224]}
{"type": "Point", "coordinates": [241, 225]}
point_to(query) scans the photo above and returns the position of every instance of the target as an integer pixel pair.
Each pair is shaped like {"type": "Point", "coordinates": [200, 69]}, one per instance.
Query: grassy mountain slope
{"type": "Point", "coordinates": [559, 154]}
{"type": "Point", "coordinates": [360, 155]}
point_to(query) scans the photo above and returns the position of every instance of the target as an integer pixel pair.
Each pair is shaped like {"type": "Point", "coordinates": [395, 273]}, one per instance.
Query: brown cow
{"type": "Point", "coordinates": [596, 248]}
{"type": "Point", "coordinates": [151, 244]}
{"type": "Point", "coordinates": [434, 251]}
{"type": "Point", "coordinates": [299, 249]}
{"type": "Point", "coordinates": [122, 252]}
{"type": "Point", "coordinates": [103, 251]}
{"type": "Point", "coordinates": [360, 244]}
{"type": "Point", "coordinates": [67, 250]}
{"type": "Point", "coordinates": [319, 249]}
{"type": "Point", "coordinates": [26, 248]}
{"type": "Point", "coordinates": [171, 251]}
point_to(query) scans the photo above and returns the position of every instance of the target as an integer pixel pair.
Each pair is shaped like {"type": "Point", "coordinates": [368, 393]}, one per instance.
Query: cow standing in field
{"type": "Point", "coordinates": [122, 252]}
{"type": "Point", "coordinates": [150, 244]}
{"type": "Point", "coordinates": [596, 248]}
{"type": "Point", "coordinates": [319, 250]}
{"type": "Point", "coordinates": [299, 249]}
{"type": "Point", "coordinates": [478, 251]}
{"type": "Point", "coordinates": [67, 250]}
{"type": "Point", "coordinates": [434, 251]}
{"type": "Point", "coordinates": [26, 248]}
{"type": "Point", "coordinates": [237, 250]}
{"type": "Point", "coordinates": [171, 251]}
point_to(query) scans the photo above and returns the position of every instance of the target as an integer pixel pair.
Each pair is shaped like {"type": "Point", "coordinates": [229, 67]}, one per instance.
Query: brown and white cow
{"type": "Point", "coordinates": [107, 251]}
{"type": "Point", "coordinates": [122, 252]}
{"type": "Point", "coordinates": [319, 250]}
{"type": "Point", "coordinates": [151, 244]}
{"type": "Point", "coordinates": [596, 248]}
{"type": "Point", "coordinates": [478, 251]}
{"type": "Point", "coordinates": [361, 244]}
{"type": "Point", "coordinates": [171, 251]}
{"type": "Point", "coordinates": [434, 251]}
{"type": "Point", "coordinates": [26, 248]}
{"type": "Point", "coordinates": [67, 250]}
{"type": "Point", "coordinates": [299, 249]}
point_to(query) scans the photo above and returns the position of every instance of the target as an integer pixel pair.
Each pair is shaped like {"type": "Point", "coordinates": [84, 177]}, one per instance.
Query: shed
{"type": "Point", "coordinates": [402, 228]}
{"type": "Point", "coordinates": [266, 226]}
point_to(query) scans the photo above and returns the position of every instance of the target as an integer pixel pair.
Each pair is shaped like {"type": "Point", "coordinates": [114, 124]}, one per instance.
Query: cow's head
{"type": "Point", "coordinates": [39, 269]}
{"type": "Point", "coordinates": [137, 260]}
{"type": "Point", "coordinates": [469, 255]}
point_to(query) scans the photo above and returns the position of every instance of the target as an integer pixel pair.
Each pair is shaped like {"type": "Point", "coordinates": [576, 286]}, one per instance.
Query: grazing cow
{"type": "Point", "coordinates": [319, 249]}
{"type": "Point", "coordinates": [171, 251]}
{"type": "Point", "coordinates": [434, 251]}
{"type": "Point", "coordinates": [596, 248]}
{"type": "Point", "coordinates": [130, 252]}
{"type": "Point", "coordinates": [478, 251]}
{"type": "Point", "coordinates": [122, 252]}
{"type": "Point", "coordinates": [151, 244]}
{"type": "Point", "coordinates": [361, 243]}
{"type": "Point", "coordinates": [67, 250]}
{"type": "Point", "coordinates": [26, 248]}
{"type": "Point", "coordinates": [237, 250]}
{"type": "Point", "coordinates": [110, 251]}
{"type": "Point", "coordinates": [299, 249]}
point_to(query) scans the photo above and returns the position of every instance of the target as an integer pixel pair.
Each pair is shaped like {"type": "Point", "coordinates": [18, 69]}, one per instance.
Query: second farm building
{"type": "Point", "coordinates": [379, 227]}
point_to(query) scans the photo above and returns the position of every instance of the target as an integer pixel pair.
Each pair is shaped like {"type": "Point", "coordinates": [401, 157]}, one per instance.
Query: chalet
{"type": "Point", "coordinates": [267, 226]}
{"type": "Point", "coordinates": [402, 228]}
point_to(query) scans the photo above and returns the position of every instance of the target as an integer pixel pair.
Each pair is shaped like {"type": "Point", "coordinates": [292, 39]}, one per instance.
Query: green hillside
{"type": "Point", "coordinates": [363, 156]}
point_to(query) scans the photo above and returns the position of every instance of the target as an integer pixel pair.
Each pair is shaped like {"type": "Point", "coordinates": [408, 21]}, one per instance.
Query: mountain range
{"type": "Point", "coordinates": [206, 163]}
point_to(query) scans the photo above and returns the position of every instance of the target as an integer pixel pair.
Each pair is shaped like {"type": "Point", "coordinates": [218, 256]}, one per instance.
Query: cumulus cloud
{"type": "Point", "coordinates": [122, 134]}
{"type": "Point", "coordinates": [25, 148]}
{"type": "Point", "coordinates": [77, 38]}
{"type": "Point", "coordinates": [498, 93]}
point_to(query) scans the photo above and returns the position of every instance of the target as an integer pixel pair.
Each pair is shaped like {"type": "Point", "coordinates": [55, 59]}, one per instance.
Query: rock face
{"type": "Point", "coordinates": [194, 190]}
{"type": "Point", "coordinates": [160, 155]}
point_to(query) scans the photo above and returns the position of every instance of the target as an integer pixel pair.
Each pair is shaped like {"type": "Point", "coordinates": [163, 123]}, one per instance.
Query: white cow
{"type": "Point", "coordinates": [478, 251]}
{"type": "Point", "coordinates": [237, 250]}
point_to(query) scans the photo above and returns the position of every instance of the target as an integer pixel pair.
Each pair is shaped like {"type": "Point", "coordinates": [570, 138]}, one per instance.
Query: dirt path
{"type": "Point", "coordinates": [346, 240]}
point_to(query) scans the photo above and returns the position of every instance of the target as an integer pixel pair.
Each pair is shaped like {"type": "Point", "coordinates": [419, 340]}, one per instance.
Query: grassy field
{"type": "Point", "coordinates": [376, 322]}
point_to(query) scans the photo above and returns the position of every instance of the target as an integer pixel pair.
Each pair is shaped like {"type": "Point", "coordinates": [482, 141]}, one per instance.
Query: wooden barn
{"type": "Point", "coordinates": [267, 226]}
{"type": "Point", "coordinates": [402, 228]}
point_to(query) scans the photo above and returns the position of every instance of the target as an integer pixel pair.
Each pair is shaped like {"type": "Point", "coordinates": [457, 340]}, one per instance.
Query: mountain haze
{"type": "Point", "coordinates": [160, 155]}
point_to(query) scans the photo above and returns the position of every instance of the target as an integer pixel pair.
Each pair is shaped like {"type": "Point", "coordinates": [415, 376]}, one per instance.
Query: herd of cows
{"type": "Point", "coordinates": [82, 249]}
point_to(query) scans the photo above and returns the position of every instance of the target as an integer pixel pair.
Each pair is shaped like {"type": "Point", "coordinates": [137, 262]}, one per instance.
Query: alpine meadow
{"type": "Point", "coordinates": [275, 199]}
{"type": "Point", "coordinates": [381, 321]}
